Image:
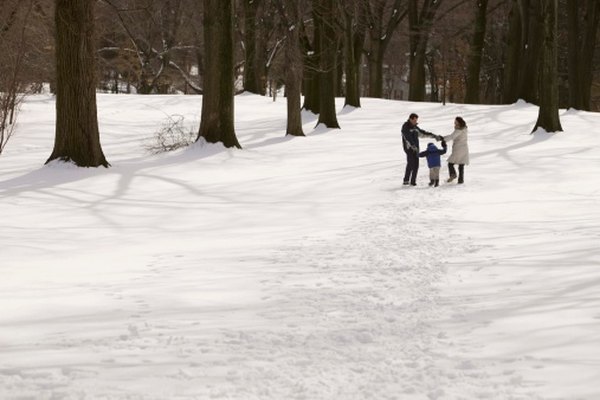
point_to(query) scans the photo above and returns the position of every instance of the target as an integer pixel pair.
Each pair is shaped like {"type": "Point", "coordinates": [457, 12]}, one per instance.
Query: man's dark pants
{"type": "Point", "coordinates": [412, 167]}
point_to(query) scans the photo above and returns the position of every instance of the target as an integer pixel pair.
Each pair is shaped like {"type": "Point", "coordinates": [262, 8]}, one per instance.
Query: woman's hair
{"type": "Point", "coordinates": [413, 115]}
{"type": "Point", "coordinates": [461, 122]}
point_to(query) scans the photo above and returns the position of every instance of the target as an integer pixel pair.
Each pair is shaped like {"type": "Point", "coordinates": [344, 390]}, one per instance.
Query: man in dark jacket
{"type": "Point", "coordinates": [410, 139]}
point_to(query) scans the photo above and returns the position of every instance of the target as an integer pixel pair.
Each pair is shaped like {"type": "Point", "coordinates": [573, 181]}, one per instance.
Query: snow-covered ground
{"type": "Point", "coordinates": [301, 268]}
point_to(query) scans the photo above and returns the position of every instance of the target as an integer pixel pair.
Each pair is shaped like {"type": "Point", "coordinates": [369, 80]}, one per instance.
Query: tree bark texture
{"type": "Point", "coordinates": [582, 36]}
{"type": "Point", "coordinates": [548, 117]}
{"type": "Point", "coordinates": [523, 52]}
{"type": "Point", "coordinates": [382, 19]}
{"type": "Point", "coordinates": [77, 138]}
{"type": "Point", "coordinates": [217, 120]}
{"type": "Point", "coordinates": [291, 16]}
{"type": "Point", "coordinates": [312, 54]}
{"type": "Point", "coordinates": [375, 62]}
{"type": "Point", "coordinates": [324, 16]}
{"type": "Point", "coordinates": [474, 67]}
{"type": "Point", "coordinates": [252, 83]}
{"type": "Point", "coordinates": [420, 24]}
{"type": "Point", "coordinates": [354, 38]}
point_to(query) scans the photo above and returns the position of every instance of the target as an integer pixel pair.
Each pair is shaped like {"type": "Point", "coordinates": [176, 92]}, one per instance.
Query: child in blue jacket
{"type": "Point", "coordinates": [434, 161]}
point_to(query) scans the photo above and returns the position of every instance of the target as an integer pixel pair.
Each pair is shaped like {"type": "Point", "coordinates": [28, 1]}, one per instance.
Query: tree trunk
{"type": "Point", "coordinates": [375, 60]}
{"type": "Point", "coordinates": [77, 138]}
{"type": "Point", "coordinates": [582, 43]}
{"type": "Point", "coordinates": [531, 63]}
{"type": "Point", "coordinates": [339, 88]}
{"type": "Point", "coordinates": [474, 68]}
{"type": "Point", "coordinates": [588, 47]}
{"type": "Point", "coordinates": [523, 54]}
{"type": "Point", "coordinates": [353, 45]}
{"type": "Point", "coordinates": [381, 18]}
{"type": "Point", "coordinates": [311, 58]}
{"type": "Point", "coordinates": [513, 54]}
{"type": "Point", "coordinates": [573, 55]}
{"type": "Point", "coordinates": [420, 24]}
{"type": "Point", "coordinates": [416, 80]}
{"type": "Point", "coordinates": [291, 14]}
{"type": "Point", "coordinates": [251, 79]}
{"type": "Point", "coordinates": [433, 79]}
{"type": "Point", "coordinates": [293, 89]}
{"type": "Point", "coordinates": [217, 120]}
{"type": "Point", "coordinates": [324, 9]}
{"type": "Point", "coordinates": [548, 117]}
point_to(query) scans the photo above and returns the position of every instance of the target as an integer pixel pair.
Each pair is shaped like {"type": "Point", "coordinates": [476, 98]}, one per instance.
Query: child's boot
{"type": "Point", "coordinates": [436, 183]}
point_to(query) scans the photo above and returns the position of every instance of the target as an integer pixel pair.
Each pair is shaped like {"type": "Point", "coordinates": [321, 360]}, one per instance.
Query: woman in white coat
{"type": "Point", "coordinates": [460, 150]}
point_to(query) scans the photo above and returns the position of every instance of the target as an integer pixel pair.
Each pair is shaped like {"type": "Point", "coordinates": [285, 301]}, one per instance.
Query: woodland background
{"type": "Point", "coordinates": [460, 51]}
{"type": "Point", "coordinates": [156, 46]}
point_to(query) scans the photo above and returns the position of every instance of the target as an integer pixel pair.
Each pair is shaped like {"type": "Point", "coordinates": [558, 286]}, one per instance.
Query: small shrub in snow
{"type": "Point", "coordinates": [171, 135]}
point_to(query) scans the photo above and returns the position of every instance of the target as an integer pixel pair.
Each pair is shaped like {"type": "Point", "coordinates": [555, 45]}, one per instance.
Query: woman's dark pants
{"type": "Point", "coordinates": [461, 172]}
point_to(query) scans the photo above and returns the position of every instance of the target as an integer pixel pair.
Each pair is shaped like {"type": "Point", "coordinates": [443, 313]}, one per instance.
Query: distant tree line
{"type": "Point", "coordinates": [465, 51]}
{"type": "Point", "coordinates": [474, 51]}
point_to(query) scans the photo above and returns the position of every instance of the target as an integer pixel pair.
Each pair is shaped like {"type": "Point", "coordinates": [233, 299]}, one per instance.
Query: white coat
{"type": "Point", "coordinates": [460, 146]}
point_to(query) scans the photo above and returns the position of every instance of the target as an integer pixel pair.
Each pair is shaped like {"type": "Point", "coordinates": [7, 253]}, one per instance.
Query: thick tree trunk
{"type": "Point", "coordinates": [530, 65]}
{"type": "Point", "coordinates": [339, 88]}
{"type": "Point", "coordinates": [434, 96]}
{"type": "Point", "coordinates": [353, 45]}
{"type": "Point", "coordinates": [217, 120]}
{"type": "Point", "coordinates": [513, 55]}
{"type": "Point", "coordinates": [574, 56]}
{"type": "Point", "coordinates": [375, 60]}
{"type": "Point", "coordinates": [311, 70]}
{"type": "Point", "coordinates": [420, 23]}
{"type": "Point", "coordinates": [293, 76]}
{"type": "Point", "coordinates": [294, 114]}
{"type": "Point", "coordinates": [582, 43]}
{"type": "Point", "coordinates": [588, 48]}
{"type": "Point", "coordinates": [252, 82]}
{"type": "Point", "coordinates": [77, 138]}
{"type": "Point", "coordinates": [474, 68]}
{"type": "Point", "coordinates": [548, 117]}
{"type": "Point", "coordinates": [416, 80]}
{"type": "Point", "coordinates": [325, 11]}
{"type": "Point", "coordinates": [523, 54]}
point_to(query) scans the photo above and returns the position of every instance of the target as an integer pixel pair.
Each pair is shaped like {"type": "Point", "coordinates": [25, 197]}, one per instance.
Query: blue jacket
{"type": "Point", "coordinates": [433, 154]}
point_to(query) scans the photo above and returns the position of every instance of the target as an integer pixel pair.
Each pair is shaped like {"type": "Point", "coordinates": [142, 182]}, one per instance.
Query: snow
{"type": "Point", "coordinates": [301, 268]}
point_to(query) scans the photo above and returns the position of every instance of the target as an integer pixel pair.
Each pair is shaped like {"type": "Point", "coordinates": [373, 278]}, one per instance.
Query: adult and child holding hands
{"type": "Point", "coordinates": [459, 155]}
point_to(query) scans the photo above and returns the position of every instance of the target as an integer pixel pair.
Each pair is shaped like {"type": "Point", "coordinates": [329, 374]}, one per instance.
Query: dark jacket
{"type": "Point", "coordinates": [410, 136]}
{"type": "Point", "coordinates": [433, 154]}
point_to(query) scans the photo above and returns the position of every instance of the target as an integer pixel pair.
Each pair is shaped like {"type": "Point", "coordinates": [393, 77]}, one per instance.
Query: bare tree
{"type": "Point", "coordinates": [14, 19]}
{"type": "Point", "coordinates": [475, 52]}
{"type": "Point", "coordinates": [548, 117]}
{"type": "Point", "coordinates": [523, 52]}
{"type": "Point", "coordinates": [324, 15]}
{"type": "Point", "coordinates": [420, 22]}
{"type": "Point", "coordinates": [217, 120]}
{"type": "Point", "coordinates": [291, 13]}
{"type": "Point", "coordinates": [149, 43]}
{"type": "Point", "coordinates": [382, 18]}
{"type": "Point", "coordinates": [252, 80]}
{"type": "Point", "coordinates": [355, 26]}
{"type": "Point", "coordinates": [312, 54]}
{"type": "Point", "coordinates": [583, 21]}
{"type": "Point", "coordinates": [77, 138]}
